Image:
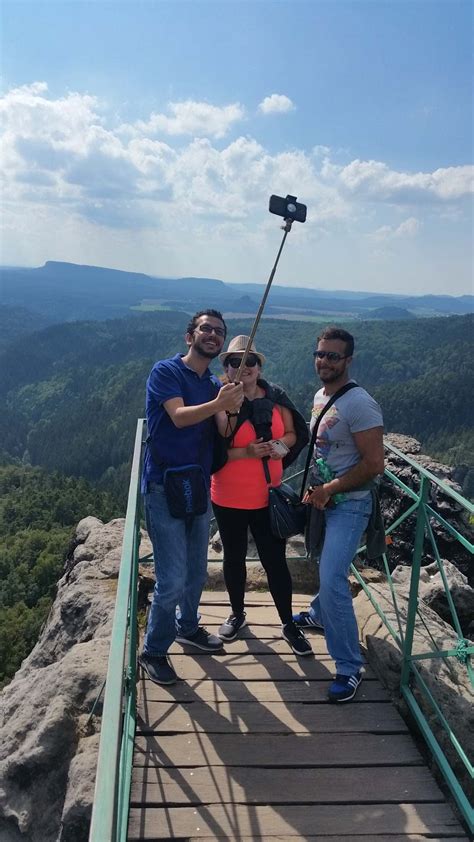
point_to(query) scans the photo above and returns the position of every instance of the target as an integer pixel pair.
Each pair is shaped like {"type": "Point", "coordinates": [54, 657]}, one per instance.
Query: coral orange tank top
{"type": "Point", "coordinates": [242, 484]}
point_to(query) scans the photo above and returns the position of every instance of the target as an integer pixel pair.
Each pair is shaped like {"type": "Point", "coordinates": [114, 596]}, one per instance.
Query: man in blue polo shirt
{"type": "Point", "coordinates": [182, 396]}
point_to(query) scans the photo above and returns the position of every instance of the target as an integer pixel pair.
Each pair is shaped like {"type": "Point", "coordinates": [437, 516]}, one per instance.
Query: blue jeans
{"type": "Point", "coordinates": [180, 551]}
{"type": "Point", "coordinates": [332, 606]}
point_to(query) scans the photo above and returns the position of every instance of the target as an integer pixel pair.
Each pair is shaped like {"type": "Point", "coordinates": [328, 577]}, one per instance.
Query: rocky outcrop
{"type": "Point", "coordinates": [48, 743]}
{"type": "Point", "coordinates": [432, 592]}
{"type": "Point", "coordinates": [302, 570]}
{"type": "Point", "coordinates": [395, 502]}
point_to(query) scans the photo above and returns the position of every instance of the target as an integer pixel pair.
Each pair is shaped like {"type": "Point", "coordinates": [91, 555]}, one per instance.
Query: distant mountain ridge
{"type": "Point", "coordinates": [61, 292]}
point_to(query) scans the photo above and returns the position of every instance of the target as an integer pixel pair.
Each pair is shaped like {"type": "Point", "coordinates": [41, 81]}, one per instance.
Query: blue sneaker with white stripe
{"type": "Point", "coordinates": [344, 687]}
{"type": "Point", "coordinates": [304, 620]}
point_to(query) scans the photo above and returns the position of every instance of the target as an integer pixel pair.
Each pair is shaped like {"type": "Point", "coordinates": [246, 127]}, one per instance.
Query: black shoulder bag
{"type": "Point", "coordinates": [287, 513]}
{"type": "Point", "coordinates": [184, 486]}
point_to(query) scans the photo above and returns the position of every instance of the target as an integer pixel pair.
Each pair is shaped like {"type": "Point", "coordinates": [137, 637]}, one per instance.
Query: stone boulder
{"type": "Point", "coordinates": [48, 741]}
{"type": "Point", "coordinates": [395, 502]}
{"type": "Point", "coordinates": [303, 573]}
{"type": "Point", "coordinates": [432, 591]}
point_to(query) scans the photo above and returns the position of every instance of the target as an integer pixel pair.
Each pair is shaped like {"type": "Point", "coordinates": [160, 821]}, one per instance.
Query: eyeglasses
{"type": "Point", "coordinates": [219, 331]}
{"type": "Point", "coordinates": [332, 356]}
{"type": "Point", "coordinates": [234, 362]}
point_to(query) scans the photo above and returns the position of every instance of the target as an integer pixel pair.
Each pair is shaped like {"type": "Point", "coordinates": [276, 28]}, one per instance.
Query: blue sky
{"type": "Point", "coordinates": [148, 136]}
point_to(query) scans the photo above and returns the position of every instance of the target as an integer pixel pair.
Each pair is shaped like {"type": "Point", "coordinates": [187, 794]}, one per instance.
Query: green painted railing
{"type": "Point", "coordinates": [418, 695]}
{"type": "Point", "coordinates": [114, 768]}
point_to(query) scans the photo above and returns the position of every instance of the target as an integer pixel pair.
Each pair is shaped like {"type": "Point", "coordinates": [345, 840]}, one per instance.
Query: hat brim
{"type": "Point", "coordinates": [225, 354]}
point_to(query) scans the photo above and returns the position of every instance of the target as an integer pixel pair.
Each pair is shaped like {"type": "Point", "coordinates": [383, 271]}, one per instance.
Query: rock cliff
{"type": "Point", "coordinates": [48, 742]}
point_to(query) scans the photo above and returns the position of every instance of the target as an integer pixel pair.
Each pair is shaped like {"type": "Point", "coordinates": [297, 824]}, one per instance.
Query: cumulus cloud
{"type": "Point", "coordinates": [276, 104]}
{"type": "Point", "coordinates": [192, 118]}
{"type": "Point", "coordinates": [408, 228]}
{"type": "Point", "coordinates": [68, 165]}
{"type": "Point", "coordinates": [375, 180]}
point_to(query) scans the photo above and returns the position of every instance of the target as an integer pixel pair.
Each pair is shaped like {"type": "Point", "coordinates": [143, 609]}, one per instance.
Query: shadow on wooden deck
{"type": "Point", "coordinates": [246, 747]}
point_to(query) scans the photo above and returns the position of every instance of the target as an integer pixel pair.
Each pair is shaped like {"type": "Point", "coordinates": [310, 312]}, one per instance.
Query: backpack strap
{"type": "Point", "coordinates": [332, 399]}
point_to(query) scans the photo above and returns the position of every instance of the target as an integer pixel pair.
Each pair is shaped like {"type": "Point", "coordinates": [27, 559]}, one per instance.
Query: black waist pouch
{"type": "Point", "coordinates": [185, 491]}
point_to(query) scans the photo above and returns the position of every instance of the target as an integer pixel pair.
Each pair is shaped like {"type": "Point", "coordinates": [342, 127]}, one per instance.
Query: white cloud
{"type": "Point", "coordinates": [375, 180]}
{"type": "Point", "coordinates": [192, 118]}
{"type": "Point", "coordinates": [66, 164]}
{"type": "Point", "coordinates": [276, 104]}
{"type": "Point", "coordinates": [409, 228]}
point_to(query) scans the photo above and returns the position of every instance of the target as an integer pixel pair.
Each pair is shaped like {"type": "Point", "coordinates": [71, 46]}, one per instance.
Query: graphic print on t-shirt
{"type": "Point", "coordinates": [330, 420]}
{"type": "Point", "coordinates": [352, 413]}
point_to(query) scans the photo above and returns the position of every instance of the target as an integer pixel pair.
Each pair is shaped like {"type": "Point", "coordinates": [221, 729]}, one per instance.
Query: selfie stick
{"type": "Point", "coordinates": [287, 228]}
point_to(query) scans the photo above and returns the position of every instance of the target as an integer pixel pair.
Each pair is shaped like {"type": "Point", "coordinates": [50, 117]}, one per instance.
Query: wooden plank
{"type": "Point", "coordinates": [409, 837]}
{"type": "Point", "coordinates": [248, 667]}
{"type": "Point", "coordinates": [288, 821]}
{"type": "Point", "coordinates": [267, 718]}
{"type": "Point", "coordinates": [257, 615]}
{"type": "Point", "coordinates": [250, 644]}
{"type": "Point", "coordinates": [301, 600]}
{"type": "Point", "coordinates": [291, 750]}
{"type": "Point", "coordinates": [251, 691]}
{"type": "Point", "coordinates": [154, 786]}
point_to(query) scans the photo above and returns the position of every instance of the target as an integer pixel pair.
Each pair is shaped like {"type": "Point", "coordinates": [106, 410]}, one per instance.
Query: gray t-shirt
{"type": "Point", "coordinates": [355, 411]}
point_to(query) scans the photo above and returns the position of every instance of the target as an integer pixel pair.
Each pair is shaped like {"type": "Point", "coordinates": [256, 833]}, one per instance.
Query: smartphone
{"type": "Point", "coordinates": [279, 448]}
{"type": "Point", "coordinates": [288, 208]}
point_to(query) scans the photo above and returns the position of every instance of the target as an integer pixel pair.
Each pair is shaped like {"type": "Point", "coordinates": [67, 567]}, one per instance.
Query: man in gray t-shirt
{"type": "Point", "coordinates": [348, 455]}
{"type": "Point", "coordinates": [336, 448]}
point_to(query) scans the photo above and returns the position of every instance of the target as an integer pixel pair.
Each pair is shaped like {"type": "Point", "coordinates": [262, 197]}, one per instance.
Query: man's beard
{"type": "Point", "coordinates": [330, 376]}
{"type": "Point", "coordinates": [209, 355]}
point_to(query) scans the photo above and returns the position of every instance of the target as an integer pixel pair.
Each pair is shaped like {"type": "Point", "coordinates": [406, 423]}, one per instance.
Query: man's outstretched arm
{"type": "Point", "coordinates": [229, 399]}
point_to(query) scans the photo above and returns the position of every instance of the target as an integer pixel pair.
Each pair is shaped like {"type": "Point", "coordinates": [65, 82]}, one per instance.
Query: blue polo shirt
{"type": "Point", "coordinates": [172, 445]}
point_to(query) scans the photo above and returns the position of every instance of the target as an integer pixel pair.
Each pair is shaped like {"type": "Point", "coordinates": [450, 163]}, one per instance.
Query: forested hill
{"type": "Point", "coordinates": [72, 392]}
{"type": "Point", "coordinates": [38, 513]}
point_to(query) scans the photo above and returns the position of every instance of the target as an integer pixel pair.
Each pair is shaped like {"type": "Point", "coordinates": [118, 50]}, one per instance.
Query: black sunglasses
{"type": "Point", "coordinates": [234, 362]}
{"type": "Point", "coordinates": [332, 356]}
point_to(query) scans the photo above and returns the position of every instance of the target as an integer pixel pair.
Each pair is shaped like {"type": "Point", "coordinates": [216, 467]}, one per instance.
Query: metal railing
{"type": "Point", "coordinates": [414, 688]}
{"type": "Point", "coordinates": [114, 767]}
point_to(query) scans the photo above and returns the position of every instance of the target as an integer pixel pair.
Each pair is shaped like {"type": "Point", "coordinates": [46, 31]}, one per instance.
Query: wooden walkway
{"type": "Point", "coordinates": [247, 748]}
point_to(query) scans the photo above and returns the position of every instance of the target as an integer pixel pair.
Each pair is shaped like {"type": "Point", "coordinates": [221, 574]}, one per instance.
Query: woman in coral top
{"type": "Point", "coordinates": [239, 490]}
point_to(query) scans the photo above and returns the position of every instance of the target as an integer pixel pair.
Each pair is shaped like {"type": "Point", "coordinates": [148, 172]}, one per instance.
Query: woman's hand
{"type": "Point", "coordinates": [258, 449]}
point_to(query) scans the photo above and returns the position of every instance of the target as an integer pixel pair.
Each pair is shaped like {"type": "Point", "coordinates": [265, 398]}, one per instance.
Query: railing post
{"type": "Point", "coordinates": [414, 582]}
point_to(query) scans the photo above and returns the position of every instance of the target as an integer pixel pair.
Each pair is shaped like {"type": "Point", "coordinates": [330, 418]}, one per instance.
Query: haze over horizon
{"type": "Point", "coordinates": [148, 137]}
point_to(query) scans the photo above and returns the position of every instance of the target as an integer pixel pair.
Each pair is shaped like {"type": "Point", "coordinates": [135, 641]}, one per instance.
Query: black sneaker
{"type": "Point", "coordinates": [230, 629]}
{"type": "Point", "coordinates": [158, 669]}
{"type": "Point", "coordinates": [201, 639]}
{"type": "Point", "coordinates": [295, 637]}
{"type": "Point", "coordinates": [304, 620]}
{"type": "Point", "coordinates": [344, 687]}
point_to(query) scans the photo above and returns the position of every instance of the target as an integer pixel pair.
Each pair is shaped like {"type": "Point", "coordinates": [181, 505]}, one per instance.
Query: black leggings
{"type": "Point", "coordinates": [233, 528]}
